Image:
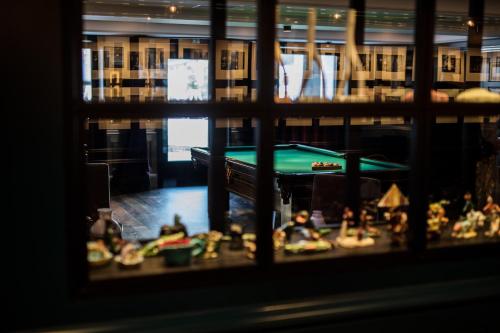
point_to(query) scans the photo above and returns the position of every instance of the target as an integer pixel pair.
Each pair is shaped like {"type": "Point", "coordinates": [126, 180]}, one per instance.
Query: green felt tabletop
{"type": "Point", "coordinates": [298, 160]}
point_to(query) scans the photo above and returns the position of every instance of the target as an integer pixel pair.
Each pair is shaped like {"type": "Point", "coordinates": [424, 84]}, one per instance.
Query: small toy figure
{"type": "Point", "coordinates": [236, 232]}
{"type": "Point", "coordinates": [399, 224]}
{"type": "Point", "coordinates": [348, 216]}
{"type": "Point", "coordinates": [174, 229]}
{"type": "Point", "coordinates": [468, 205]}
{"type": "Point", "coordinates": [436, 219]}
{"type": "Point", "coordinates": [349, 241]}
{"type": "Point", "coordinates": [491, 210]}
{"type": "Point", "coordinates": [466, 228]}
{"type": "Point", "coordinates": [394, 200]}
{"type": "Point", "coordinates": [364, 223]}
{"type": "Point", "coordinates": [309, 230]}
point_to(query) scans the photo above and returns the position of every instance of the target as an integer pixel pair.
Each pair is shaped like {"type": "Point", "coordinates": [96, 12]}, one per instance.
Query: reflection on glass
{"type": "Point", "coordinates": [188, 80]}
{"type": "Point", "coordinates": [184, 134]}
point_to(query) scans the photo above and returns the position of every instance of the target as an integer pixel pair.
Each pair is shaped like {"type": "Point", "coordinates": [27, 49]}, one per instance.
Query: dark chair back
{"type": "Point", "coordinates": [330, 192]}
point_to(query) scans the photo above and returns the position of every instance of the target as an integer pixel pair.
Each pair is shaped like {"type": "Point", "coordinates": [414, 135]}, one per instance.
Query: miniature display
{"type": "Point", "coordinates": [325, 166]}
{"type": "Point", "coordinates": [394, 200]}
{"type": "Point", "coordinates": [469, 221]}
{"type": "Point", "coordinates": [130, 257]}
{"type": "Point", "coordinates": [98, 254]}
{"type": "Point", "coordinates": [360, 237]}
{"type": "Point", "coordinates": [436, 219]}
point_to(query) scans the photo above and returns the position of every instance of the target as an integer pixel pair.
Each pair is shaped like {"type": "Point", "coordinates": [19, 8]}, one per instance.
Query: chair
{"type": "Point", "coordinates": [330, 191]}
{"type": "Point", "coordinates": [97, 192]}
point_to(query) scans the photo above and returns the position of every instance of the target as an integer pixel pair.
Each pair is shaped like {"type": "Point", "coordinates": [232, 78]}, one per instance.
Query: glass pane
{"type": "Point", "coordinates": [465, 189]}
{"type": "Point", "coordinates": [341, 186]}
{"type": "Point", "coordinates": [466, 52]}
{"type": "Point", "coordinates": [321, 58]}
{"type": "Point", "coordinates": [151, 200]}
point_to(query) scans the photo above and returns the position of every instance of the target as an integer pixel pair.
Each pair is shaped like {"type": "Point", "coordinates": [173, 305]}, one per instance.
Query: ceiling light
{"type": "Point", "coordinates": [471, 23]}
{"type": "Point", "coordinates": [148, 18]}
{"type": "Point", "coordinates": [337, 16]}
{"type": "Point", "coordinates": [172, 9]}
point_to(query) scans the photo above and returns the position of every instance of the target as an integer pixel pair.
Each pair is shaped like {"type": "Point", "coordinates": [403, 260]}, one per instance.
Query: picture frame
{"type": "Point", "coordinates": [390, 63]}
{"type": "Point", "coordinates": [477, 65]}
{"type": "Point", "coordinates": [111, 54]}
{"type": "Point", "coordinates": [231, 60]}
{"type": "Point", "coordinates": [494, 61]}
{"type": "Point", "coordinates": [231, 94]}
{"type": "Point", "coordinates": [192, 49]}
{"type": "Point", "coordinates": [153, 56]}
{"type": "Point", "coordinates": [450, 64]}
{"type": "Point", "coordinates": [366, 69]}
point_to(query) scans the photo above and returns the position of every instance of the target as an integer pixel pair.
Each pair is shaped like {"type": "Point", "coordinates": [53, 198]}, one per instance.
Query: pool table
{"type": "Point", "coordinates": [292, 170]}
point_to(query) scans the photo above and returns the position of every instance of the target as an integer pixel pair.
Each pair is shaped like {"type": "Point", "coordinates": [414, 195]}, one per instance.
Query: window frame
{"type": "Point", "coordinates": [264, 110]}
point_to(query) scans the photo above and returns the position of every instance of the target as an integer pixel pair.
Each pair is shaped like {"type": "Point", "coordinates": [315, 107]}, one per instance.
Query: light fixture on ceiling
{"type": "Point", "coordinates": [172, 9]}
{"type": "Point", "coordinates": [287, 28]}
{"type": "Point", "coordinates": [148, 18]}
{"type": "Point", "coordinates": [337, 16]}
{"type": "Point", "coordinates": [471, 23]}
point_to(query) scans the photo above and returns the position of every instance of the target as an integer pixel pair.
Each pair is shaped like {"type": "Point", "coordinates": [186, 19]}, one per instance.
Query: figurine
{"type": "Point", "coordinates": [364, 223]}
{"type": "Point", "coordinates": [236, 232]}
{"type": "Point", "coordinates": [491, 210]}
{"type": "Point", "coordinates": [309, 230]}
{"type": "Point", "coordinates": [468, 205]}
{"type": "Point", "coordinates": [360, 237]}
{"type": "Point", "coordinates": [399, 224]}
{"type": "Point", "coordinates": [466, 227]}
{"type": "Point", "coordinates": [436, 219]}
{"type": "Point", "coordinates": [176, 228]}
{"type": "Point", "coordinates": [396, 217]}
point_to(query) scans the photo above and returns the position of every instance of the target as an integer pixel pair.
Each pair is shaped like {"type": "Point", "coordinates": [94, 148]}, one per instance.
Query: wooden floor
{"type": "Point", "coordinates": [142, 214]}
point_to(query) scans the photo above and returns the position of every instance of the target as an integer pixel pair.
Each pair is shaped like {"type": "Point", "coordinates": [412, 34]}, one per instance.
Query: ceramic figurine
{"type": "Point", "coordinates": [492, 212]}
{"type": "Point", "coordinates": [468, 205]}
{"type": "Point", "coordinates": [399, 224]}
{"type": "Point", "coordinates": [309, 230]}
{"type": "Point", "coordinates": [174, 229]}
{"type": "Point", "coordinates": [364, 222]}
{"type": "Point", "coordinates": [397, 219]}
{"type": "Point", "coordinates": [436, 219]}
{"type": "Point", "coordinates": [99, 228]}
{"type": "Point", "coordinates": [236, 232]}
{"type": "Point", "coordinates": [466, 227]}
{"type": "Point", "coordinates": [359, 239]}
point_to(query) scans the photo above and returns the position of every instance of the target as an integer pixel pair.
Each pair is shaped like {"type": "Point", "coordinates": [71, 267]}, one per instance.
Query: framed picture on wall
{"type": "Point", "coordinates": [450, 64]}
{"type": "Point", "coordinates": [231, 60]}
{"type": "Point", "coordinates": [495, 66]}
{"type": "Point", "coordinates": [153, 56]}
{"type": "Point", "coordinates": [192, 49]}
{"type": "Point", "coordinates": [364, 70]}
{"type": "Point", "coordinates": [231, 94]}
{"type": "Point", "coordinates": [390, 63]}
{"type": "Point", "coordinates": [477, 66]}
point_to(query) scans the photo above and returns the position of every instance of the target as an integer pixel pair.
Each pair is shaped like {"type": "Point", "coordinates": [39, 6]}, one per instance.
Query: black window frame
{"type": "Point", "coordinates": [422, 111]}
